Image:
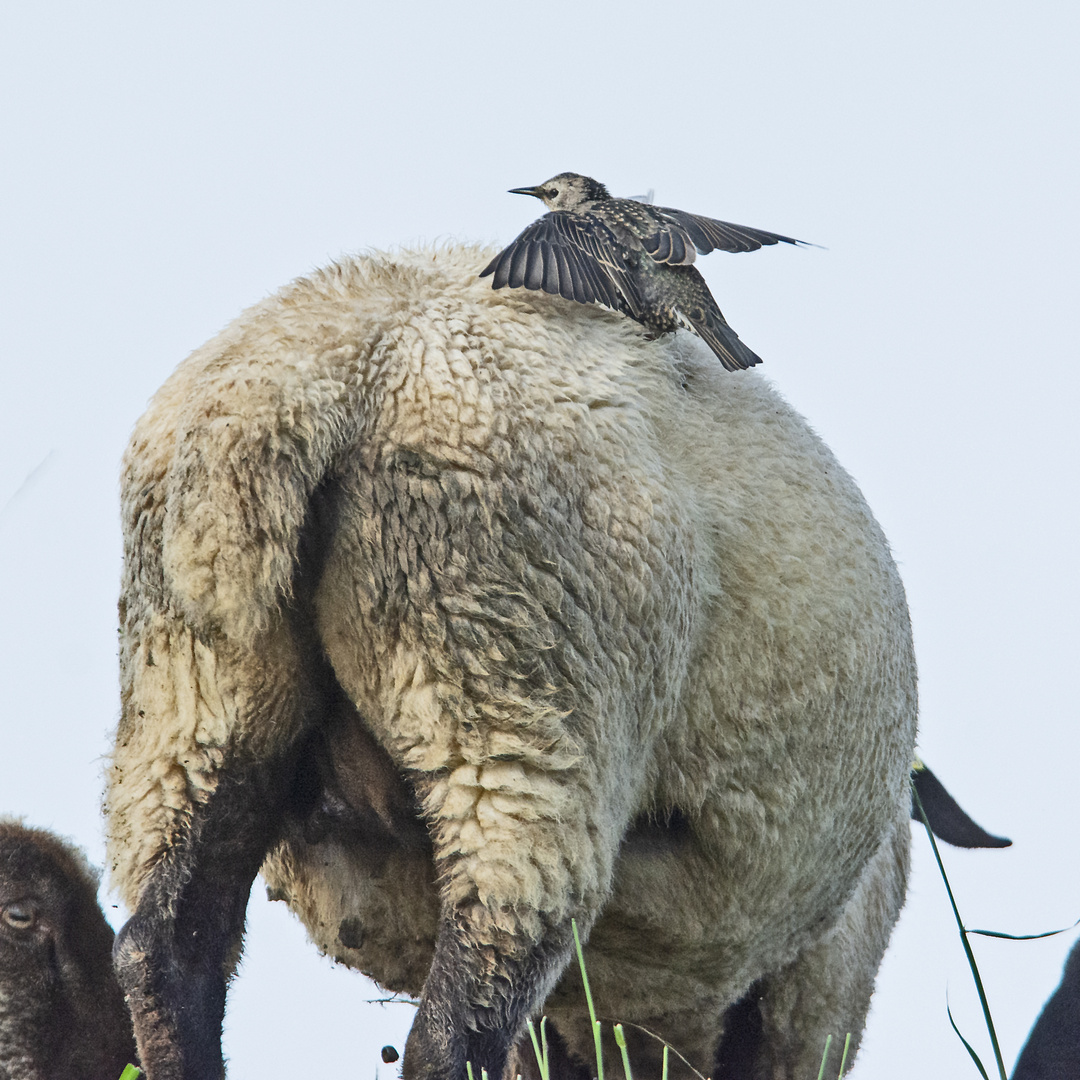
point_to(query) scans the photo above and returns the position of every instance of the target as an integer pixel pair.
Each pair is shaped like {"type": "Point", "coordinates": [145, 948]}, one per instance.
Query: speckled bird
{"type": "Point", "coordinates": [629, 256]}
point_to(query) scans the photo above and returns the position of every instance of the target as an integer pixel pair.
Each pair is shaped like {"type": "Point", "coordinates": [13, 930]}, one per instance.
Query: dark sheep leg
{"type": "Point", "coordinates": [740, 1045]}
{"type": "Point", "coordinates": [176, 954]}
{"type": "Point", "coordinates": [451, 1029]}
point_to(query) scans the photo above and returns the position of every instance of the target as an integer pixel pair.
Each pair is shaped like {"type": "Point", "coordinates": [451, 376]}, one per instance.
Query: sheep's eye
{"type": "Point", "coordinates": [19, 916]}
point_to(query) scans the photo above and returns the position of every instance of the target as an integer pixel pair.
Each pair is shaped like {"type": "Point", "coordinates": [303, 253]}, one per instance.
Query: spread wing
{"type": "Point", "coordinates": [672, 244]}
{"type": "Point", "coordinates": [575, 256]}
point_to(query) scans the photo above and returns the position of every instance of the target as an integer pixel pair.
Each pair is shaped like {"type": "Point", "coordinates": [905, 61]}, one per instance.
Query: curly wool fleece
{"type": "Point", "coordinates": [568, 578]}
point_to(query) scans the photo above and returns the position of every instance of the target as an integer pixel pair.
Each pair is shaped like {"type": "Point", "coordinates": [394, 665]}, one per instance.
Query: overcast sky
{"type": "Point", "coordinates": [164, 165]}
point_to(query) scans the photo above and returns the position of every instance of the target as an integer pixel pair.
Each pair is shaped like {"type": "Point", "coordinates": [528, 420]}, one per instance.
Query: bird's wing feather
{"type": "Point", "coordinates": [714, 330]}
{"type": "Point", "coordinates": [672, 243]}
{"type": "Point", "coordinates": [708, 234]}
{"type": "Point", "coordinates": [571, 255]}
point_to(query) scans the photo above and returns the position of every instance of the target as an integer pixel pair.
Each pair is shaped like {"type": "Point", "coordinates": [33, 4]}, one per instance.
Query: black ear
{"type": "Point", "coordinates": [947, 818]}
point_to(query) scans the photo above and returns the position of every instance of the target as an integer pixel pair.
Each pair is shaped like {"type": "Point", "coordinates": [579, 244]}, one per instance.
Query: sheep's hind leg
{"type": "Point", "coordinates": [827, 990]}
{"type": "Point", "coordinates": [520, 851]}
{"type": "Point", "coordinates": [175, 955]}
{"type": "Point", "coordinates": [453, 1029]}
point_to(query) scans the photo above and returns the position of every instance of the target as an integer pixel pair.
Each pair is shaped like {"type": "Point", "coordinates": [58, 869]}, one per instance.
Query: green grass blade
{"type": "Point", "coordinates": [824, 1058]}
{"type": "Point", "coordinates": [1024, 937]}
{"type": "Point", "coordinates": [468, 1069]}
{"type": "Point", "coordinates": [588, 998]}
{"type": "Point", "coordinates": [130, 1073]}
{"type": "Point", "coordinates": [667, 1047]}
{"type": "Point", "coordinates": [620, 1042]}
{"type": "Point", "coordinates": [967, 1046]}
{"type": "Point", "coordinates": [967, 948]}
{"type": "Point", "coordinates": [540, 1052]}
{"type": "Point", "coordinates": [663, 1070]}
{"type": "Point", "coordinates": [843, 1059]}
{"type": "Point", "coordinates": [536, 1044]}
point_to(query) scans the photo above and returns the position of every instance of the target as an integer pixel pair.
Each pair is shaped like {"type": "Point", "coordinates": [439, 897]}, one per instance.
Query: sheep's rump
{"type": "Point", "coordinates": [616, 620]}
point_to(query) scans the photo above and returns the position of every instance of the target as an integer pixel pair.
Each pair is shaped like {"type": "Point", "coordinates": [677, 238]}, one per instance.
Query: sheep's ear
{"type": "Point", "coordinates": [947, 818]}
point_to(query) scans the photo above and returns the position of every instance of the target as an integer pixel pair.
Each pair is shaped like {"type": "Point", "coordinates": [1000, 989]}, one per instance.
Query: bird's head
{"type": "Point", "coordinates": [567, 191]}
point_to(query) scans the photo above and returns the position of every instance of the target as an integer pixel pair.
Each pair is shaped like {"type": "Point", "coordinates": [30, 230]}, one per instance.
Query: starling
{"type": "Point", "coordinates": [629, 256]}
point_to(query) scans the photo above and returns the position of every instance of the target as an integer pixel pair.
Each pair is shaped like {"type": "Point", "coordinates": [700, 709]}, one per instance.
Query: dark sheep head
{"type": "Point", "coordinates": [62, 1013]}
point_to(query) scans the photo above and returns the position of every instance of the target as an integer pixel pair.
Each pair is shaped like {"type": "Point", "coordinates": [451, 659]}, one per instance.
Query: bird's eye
{"type": "Point", "coordinates": [20, 915]}
{"type": "Point", "coordinates": [552, 192]}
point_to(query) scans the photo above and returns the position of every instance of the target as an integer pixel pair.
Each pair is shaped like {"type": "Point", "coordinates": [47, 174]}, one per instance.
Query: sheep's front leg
{"type": "Point", "coordinates": [175, 955]}
{"type": "Point", "coordinates": [521, 851]}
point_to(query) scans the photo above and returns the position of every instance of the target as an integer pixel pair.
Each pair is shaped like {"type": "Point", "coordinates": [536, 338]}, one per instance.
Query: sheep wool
{"type": "Point", "coordinates": [463, 614]}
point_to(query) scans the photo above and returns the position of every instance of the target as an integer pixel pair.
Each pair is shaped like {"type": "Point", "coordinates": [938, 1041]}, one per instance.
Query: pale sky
{"type": "Point", "coordinates": [163, 165]}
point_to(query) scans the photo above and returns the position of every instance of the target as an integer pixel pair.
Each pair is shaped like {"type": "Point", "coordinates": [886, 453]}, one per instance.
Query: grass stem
{"type": "Point", "coordinates": [540, 1047]}
{"type": "Point", "coordinates": [589, 1001]}
{"type": "Point", "coordinates": [824, 1058]}
{"type": "Point", "coordinates": [843, 1059]}
{"type": "Point", "coordinates": [967, 950]}
{"type": "Point", "coordinates": [620, 1042]}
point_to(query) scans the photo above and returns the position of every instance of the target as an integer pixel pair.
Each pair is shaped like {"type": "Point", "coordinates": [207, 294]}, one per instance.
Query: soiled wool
{"type": "Point", "coordinates": [571, 579]}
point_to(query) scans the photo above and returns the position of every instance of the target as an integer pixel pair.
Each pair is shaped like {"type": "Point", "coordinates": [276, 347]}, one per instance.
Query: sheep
{"type": "Point", "coordinates": [1052, 1050]}
{"type": "Point", "coordinates": [466, 614]}
{"type": "Point", "coordinates": [62, 1013]}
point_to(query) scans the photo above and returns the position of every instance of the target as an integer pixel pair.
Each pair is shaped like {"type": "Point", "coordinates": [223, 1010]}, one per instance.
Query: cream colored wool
{"type": "Point", "coordinates": [572, 575]}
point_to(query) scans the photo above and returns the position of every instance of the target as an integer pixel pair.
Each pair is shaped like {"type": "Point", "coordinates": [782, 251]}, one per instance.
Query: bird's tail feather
{"type": "Point", "coordinates": [724, 342]}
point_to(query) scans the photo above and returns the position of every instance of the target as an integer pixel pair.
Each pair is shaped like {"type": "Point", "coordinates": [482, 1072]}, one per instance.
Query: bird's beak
{"type": "Point", "coordinates": [535, 192]}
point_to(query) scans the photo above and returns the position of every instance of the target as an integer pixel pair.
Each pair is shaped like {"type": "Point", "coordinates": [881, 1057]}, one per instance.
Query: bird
{"type": "Point", "coordinates": [629, 256]}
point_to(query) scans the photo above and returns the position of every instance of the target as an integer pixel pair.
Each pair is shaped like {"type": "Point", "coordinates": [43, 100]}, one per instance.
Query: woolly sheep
{"type": "Point", "coordinates": [614, 623]}
{"type": "Point", "coordinates": [62, 1013]}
